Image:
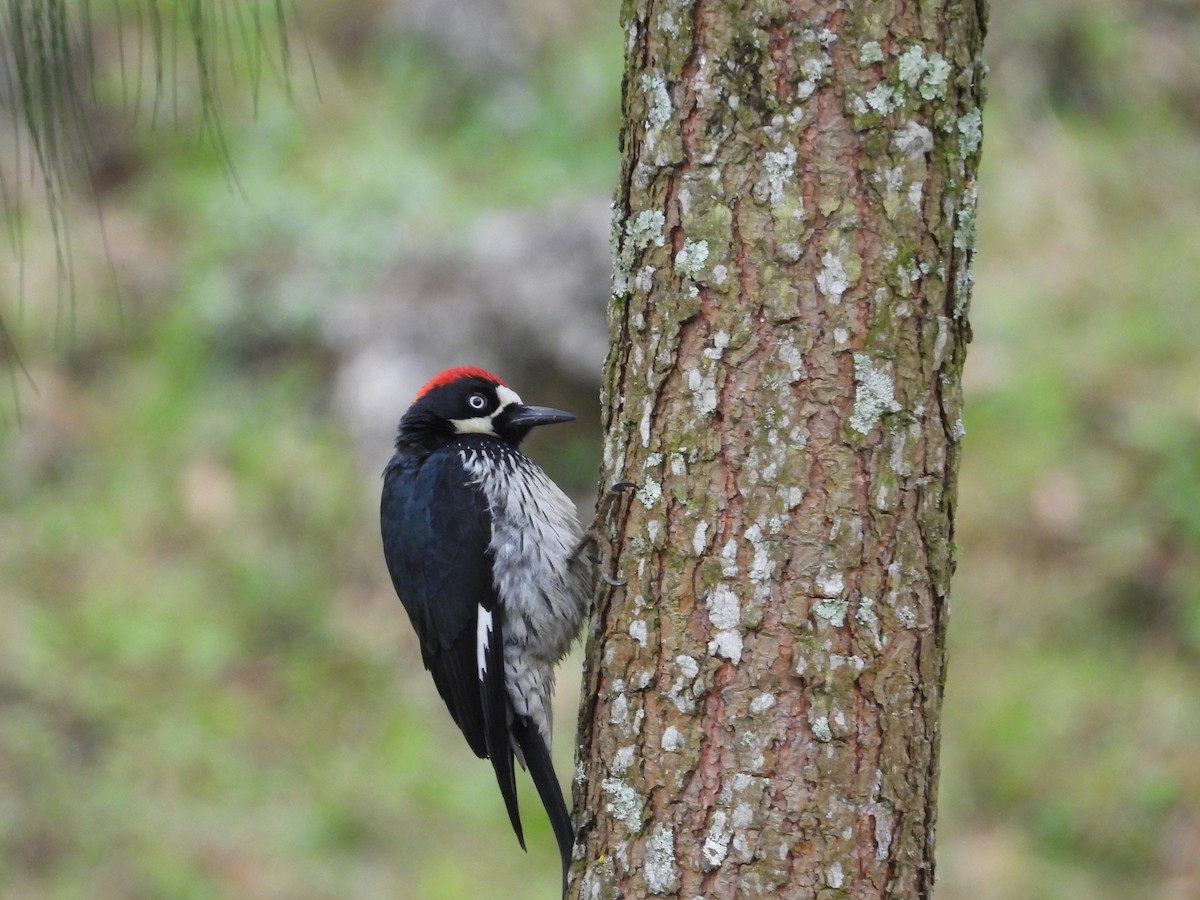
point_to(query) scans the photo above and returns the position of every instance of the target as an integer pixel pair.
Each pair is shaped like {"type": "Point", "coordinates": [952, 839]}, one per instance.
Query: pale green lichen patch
{"type": "Point", "coordinates": [688, 667]}
{"type": "Point", "coordinates": [597, 877]}
{"type": "Point", "coordinates": [964, 284]}
{"type": "Point", "coordinates": [650, 493]}
{"type": "Point", "coordinates": [716, 842]}
{"type": "Point", "coordinates": [623, 759]}
{"type": "Point", "coordinates": [890, 181]}
{"type": "Point", "coordinates": [671, 739]}
{"type": "Point", "coordinates": [874, 394]}
{"type": "Point", "coordinates": [762, 703]}
{"type": "Point", "coordinates": [855, 664]}
{"type": "Point", "coordinates": [659, 868]}
{"type": "Point", "coordinates": [914, 140]}
{"type": "Point", "coordinates": [720, 341]}
{"type": "Point", "coordinates": [917, 80]}
{"type": "Point", "coordinates": [833, 280]}
{"type": "Point", "coordinates": [724, 608]}
{"type": "Point", "coordinates": [690, 260]}
{"type": "Point", "coordinates": [647, 229]}
{"type": "Point", "coordinates": [644, 280]}
{"type": "Point", "coordinates": [835, 876]}
{"type": "Point", "coordinates": [658, 101]}
{"type": "Point", "coordinates": [779, 168]}
{"type": "Point", "coordinates": [638, 631]}
{"type": "Point", "coordinates": [703, 388]}
{"type": "Point", "coordinates": [814, 69]}
{"type": "Point", "coordinates": [830, 583]}
{"type": "Point", "coordinates": [927, 75]}
{"type": "Point", "coordinates": [821, 730]}
{"type": "Point", "coordinates": [882, 99]}
{"type": "Point", "coordinates": [623, 804]}
{"type": "Point", "coordinates": [912, 65]}
{"type": "Point", "coordinates": [666, 23]}
{"type": "Point", "coordinates": [964, 231]}
{"type": "Point", "coordinates": [832, 611]}
{"type": "Point", "coordinates": [727, 644]}
{"type": "Point", "coordinates": [792, 358]}
{"type": "Point", "coordinates": [970, 132]}
{"type": "Point", "coordinates": [871, 53]}
{"type": "Point", "coordinates": [933, 85]}
{"type": "Point", "coordinates": [641, 232]}
{"type": "Point", "coordinates": [964, 245]}
{"type": "Point", "coordinates": [644, 423]}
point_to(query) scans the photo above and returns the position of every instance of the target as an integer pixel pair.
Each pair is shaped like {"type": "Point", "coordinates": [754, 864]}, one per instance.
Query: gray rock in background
{"type": "Point", "coordinates": [523, 295]}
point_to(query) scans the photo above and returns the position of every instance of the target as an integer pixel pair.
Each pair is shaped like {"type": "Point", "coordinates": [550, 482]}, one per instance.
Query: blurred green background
{"type": "Point", "coordinates": [207, 688]}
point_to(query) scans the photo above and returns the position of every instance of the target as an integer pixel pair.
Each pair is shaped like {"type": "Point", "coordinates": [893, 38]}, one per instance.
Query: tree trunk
{"type": "Point", "coordinates": [793, 234]}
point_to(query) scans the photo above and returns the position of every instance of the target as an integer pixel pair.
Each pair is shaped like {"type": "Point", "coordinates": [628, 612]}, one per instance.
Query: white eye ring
{"type": "Point", "coordinates": [477, 401]}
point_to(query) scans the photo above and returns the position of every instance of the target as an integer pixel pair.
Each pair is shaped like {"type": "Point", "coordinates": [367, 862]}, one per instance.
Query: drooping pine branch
{"type": "Point", "coordinates": [50, 69]}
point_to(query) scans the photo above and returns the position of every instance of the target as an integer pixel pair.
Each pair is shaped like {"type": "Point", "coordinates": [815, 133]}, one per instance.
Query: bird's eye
{"type": "Point", "coordinates": [477, 401]}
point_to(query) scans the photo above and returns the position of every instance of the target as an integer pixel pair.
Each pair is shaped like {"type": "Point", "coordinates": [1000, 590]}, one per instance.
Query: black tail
{"type": "Point", "coordinates": [541, 769]}
{"type": "Point", "coordinates": [495, 719]}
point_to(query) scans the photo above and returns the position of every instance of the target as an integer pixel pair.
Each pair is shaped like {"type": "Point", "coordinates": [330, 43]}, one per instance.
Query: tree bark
{"type": "Point", "coordinates": [793, 234]}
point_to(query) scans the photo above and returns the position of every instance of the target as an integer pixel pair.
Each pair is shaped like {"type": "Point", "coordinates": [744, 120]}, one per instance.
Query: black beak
{"type": "Point", "coordinates": [526, 417]}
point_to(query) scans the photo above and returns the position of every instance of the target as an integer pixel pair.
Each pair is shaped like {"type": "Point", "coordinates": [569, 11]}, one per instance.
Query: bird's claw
{"type": "Point", "coordinates": [593, 536]}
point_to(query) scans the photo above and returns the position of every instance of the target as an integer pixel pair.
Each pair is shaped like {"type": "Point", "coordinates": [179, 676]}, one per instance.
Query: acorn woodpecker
{"type": "Point", "coordinates": [484, 551]}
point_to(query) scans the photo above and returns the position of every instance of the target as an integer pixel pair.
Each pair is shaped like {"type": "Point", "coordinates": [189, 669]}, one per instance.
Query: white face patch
{"type": "Point", "coordinates": [478, 425]}
{"type": "Point", "coordinates": [483, 424]}
{"type": "Point", "coordinates": [507, 396]}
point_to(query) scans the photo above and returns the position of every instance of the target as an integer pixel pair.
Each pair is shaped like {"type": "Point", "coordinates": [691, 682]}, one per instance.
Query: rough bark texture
{"type": "Point", "coordinates": [793, 235]}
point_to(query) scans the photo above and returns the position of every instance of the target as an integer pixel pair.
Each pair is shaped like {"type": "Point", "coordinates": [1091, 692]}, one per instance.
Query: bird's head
{"type": "Point", "coordinates": [467, 400]}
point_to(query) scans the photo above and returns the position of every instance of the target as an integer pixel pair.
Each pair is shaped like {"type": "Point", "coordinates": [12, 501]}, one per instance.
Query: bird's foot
{"type": "Point", "coordinates": [598, 538]}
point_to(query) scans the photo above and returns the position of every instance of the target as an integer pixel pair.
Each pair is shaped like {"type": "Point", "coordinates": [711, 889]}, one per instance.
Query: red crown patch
{"type": "Point", "coordinates": [452, 375]}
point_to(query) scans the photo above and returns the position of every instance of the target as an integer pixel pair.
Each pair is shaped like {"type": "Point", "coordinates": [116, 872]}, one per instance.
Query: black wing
{"type": "Point", "coordinates": [436, 529]}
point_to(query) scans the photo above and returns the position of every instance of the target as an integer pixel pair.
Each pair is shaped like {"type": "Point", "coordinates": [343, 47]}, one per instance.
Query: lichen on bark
{"type": "Point", "coordinates": [793, 233]}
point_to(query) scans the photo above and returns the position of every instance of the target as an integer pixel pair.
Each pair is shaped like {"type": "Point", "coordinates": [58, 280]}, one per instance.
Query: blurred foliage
{"type": "Point", "coordinates": [207, 687]}
{"type": "Point", "coordinates": [1072, 718]}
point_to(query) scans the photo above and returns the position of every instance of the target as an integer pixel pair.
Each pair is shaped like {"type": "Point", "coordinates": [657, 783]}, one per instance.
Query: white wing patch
{"type": "Point", "coordinates": [483, 637]}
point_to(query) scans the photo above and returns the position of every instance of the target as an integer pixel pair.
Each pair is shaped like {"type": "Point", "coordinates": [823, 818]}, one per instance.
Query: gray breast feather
{"type": "Point", "coordinates": [542, 583]}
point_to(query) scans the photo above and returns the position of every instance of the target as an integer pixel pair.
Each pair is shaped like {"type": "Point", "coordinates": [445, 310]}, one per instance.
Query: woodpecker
{"type": "Point", "coordinates": [484, 552]}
